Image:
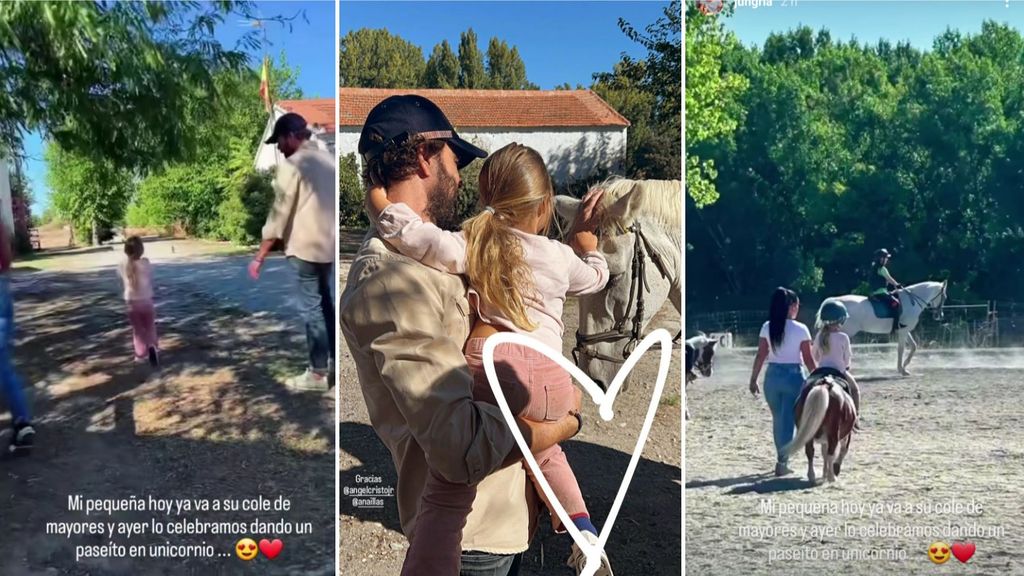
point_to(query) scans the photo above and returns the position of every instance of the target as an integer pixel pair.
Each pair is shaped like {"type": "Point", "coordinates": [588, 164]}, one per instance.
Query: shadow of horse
{"type": "Point", "coordinates": [772, 485]}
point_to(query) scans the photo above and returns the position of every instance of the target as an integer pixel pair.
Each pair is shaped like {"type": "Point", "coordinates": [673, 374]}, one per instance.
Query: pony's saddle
{"type": "Point", "coordinates": [822, 374]}
{"type": "Point", "coordinates": [883, 306]}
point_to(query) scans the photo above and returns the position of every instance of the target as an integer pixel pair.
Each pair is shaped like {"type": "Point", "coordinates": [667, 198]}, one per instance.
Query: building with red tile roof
{"type": "Point", "coordinates": [576, 131]}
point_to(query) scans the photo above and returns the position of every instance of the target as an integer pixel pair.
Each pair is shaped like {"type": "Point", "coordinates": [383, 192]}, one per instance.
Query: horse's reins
{"type": "Point", "coordinates": [637, 286]}
{"type": "Point", "coordinates": [925, 304]}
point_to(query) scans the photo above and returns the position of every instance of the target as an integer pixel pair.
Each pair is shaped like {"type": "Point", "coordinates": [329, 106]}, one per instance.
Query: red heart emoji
{"type": "Point", "coordinates": [963, 550]}
{"type": "Point", "coordinates": [271, 549]}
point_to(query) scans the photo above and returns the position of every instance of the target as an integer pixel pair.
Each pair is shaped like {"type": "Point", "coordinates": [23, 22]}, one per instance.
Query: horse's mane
{"type": "Point", "coordinates": [658, 200]}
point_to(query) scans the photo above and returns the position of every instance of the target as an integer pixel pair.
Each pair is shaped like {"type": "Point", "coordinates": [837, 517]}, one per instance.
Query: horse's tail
{"type": "Point", "coordinates": [815, 408]}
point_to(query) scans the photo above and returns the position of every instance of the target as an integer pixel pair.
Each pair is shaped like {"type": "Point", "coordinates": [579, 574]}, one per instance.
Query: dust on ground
{"type": "Point", "coordinates": [938, 441]}
{"type": "Point", "coordinates": [646, 535]}
{"type": "Point", "coordinates": [213, 422]}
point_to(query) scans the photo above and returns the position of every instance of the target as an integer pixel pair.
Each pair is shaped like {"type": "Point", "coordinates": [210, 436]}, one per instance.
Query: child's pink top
{"type": "Point", "coordinates": [557, 271]}
{"type": "Point", "coordinates": [839, 352]}
{"type": "Point", "coordinates": [143, 289]}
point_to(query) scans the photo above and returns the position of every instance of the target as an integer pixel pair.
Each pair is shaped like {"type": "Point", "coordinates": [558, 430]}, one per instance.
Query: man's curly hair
{"type": "Point", "coordinates": [398, 161]}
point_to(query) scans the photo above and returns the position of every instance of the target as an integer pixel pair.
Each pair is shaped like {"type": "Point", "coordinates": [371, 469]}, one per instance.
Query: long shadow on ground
{"type": "Point", "coordinates": [212, 423]}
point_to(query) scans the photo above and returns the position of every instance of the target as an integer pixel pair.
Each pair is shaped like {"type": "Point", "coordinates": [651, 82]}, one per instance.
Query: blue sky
{"type": "Point", "coordinates": [309, 47]}
{"type": "Point", "coordinates": [869, 21]}
{"type": "Point", "coordinates": [559, 41]}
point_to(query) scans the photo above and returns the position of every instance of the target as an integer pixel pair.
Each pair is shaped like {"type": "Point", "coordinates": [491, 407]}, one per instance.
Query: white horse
{"type": "Point", "coordinates": [914, 300]}
{"type": "Point", "coordinates": [641, 239]}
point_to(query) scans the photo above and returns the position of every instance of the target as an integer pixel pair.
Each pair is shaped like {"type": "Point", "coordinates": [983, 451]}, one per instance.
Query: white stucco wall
{"type": "Point", "coordinates": [569, 153]}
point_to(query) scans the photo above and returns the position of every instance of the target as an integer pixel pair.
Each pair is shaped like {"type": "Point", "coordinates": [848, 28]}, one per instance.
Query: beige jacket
{"type": "Point", "coordinates": [303, 214]}
{"type": "Point", "coordinates": [405, 325]}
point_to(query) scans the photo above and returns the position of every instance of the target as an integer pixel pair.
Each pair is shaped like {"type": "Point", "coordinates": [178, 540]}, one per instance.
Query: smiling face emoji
{"type": "Point", "coordinates": [938, 552]}
{"type": "Point", "coordinates": [246, 549]}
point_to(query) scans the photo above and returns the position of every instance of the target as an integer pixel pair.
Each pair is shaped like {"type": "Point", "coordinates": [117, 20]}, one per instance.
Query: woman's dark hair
{"type": "Point", "coordinates": [778, 313]}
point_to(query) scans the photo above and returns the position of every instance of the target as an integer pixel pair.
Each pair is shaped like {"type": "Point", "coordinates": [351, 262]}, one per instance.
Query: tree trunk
{"type": "Point", "coordinates": [95, 233]}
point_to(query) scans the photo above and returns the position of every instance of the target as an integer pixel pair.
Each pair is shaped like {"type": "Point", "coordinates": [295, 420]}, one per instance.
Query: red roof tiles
{"type": "Point", "coordinates": [319, 111]}
{"type": "Point", "coordinates": [493, 108]}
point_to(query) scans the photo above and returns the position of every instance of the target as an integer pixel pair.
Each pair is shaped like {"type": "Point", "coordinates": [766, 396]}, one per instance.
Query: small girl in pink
{"type": "Point", "coordinates": [832, 350]}
{"type": "Point", "coordinates": [518, 280]}
{"type": "Point", "coordinates": [137, 276]}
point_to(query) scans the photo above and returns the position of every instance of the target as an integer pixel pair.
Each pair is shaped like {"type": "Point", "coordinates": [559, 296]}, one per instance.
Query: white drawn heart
{"type": "Point", "coordinates": [605, 400]}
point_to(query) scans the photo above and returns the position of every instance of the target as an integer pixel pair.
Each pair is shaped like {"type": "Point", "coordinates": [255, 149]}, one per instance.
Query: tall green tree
{"type": "Point", "coordinates": [112, 79]}
{"type": "Point", "coordinates": [377, 59]}
{"type": "Point", "coordinates": [442, 70]}
{"type": "Point", "coordinates": [711, 96]}
{"type": "Point", "coordinates": [89, 193]}
{"type": "Point", "coordinates": [188, 195]}
{"type": "Point", "coordinates": [472, 73]}
{"type": "Point", "coordinates": [505, 68]}
{"type": "Point", "coordinates": [842, 148]}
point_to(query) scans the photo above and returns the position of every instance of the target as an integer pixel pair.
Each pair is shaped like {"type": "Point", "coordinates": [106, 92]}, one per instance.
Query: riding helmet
{"type": "Point", "coordinates": [882, 252]}
{"type": "Point", "coordinates": [832, 312]}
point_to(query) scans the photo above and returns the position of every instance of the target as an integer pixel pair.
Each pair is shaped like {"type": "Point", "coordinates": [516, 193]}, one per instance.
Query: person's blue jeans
{"type": "Point", "coordinates": [9, 380]}
{"type": "Point", "coordinates": [317, 308]}
{"type": "Point", "coordinates": [486, 564]}
{"type": "Point", "coordinates": [782, 384]}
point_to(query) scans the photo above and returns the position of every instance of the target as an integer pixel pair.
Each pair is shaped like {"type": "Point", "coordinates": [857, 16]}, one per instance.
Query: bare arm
{"type": "Point", "coordinates": [805, 351]}
{"type": "Point", "coordinates": [376, 201]}
{"type": "Point", "coordinates": [762, 354]}
{"type": "Point", "coordinates": [540, 436]}
{"type": "Point", "coordinates": [582, 237]}
{"type": "Point", "coordinates": [888, 277]}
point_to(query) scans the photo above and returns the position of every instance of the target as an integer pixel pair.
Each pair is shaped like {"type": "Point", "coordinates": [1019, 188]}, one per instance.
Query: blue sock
{"type": "Point", "coordinates": [583, 523]}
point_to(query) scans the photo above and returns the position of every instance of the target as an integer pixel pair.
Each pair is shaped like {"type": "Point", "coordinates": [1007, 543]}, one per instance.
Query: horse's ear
{"type": "Point", "coordinates": [567, 206]}
{"type": "Point", "coordinates": [625, 205]}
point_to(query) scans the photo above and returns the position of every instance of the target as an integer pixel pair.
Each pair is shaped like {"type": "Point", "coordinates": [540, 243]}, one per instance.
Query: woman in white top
{"type": "Point", "coordinates": [784, 343]}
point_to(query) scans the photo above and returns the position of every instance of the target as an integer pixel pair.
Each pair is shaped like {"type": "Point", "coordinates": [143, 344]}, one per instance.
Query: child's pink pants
{"type": "Point", "coordinates": [535, 388]}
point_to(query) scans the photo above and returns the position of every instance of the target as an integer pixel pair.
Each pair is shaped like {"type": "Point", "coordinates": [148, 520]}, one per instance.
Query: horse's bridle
{"type": "Point", "coordinates": [637, 286]}
{"type": "Point", "coordinates": [929, 304]}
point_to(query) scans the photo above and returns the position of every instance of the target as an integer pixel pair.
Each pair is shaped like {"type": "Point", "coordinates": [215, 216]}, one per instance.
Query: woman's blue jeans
{"type": "Point", "coordinates": [782, 385]}
{"type": "Point", "coordinates": [10, 383]}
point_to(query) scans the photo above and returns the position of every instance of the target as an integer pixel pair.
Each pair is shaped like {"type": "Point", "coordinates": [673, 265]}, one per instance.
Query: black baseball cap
{"type": "Point", "coordinates": [398, 118]}
{"type": "Point", "coordinates": [289, 123]}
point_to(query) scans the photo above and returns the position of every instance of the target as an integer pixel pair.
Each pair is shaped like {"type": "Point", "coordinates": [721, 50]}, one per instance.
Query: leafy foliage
{"type": "Point", "coordinates": [377, 59]}
{"type": "Point", "coordinates": [206, 195]}
{"type": "Point", "coordinates": [111, 79]}
{"type": "Point", "coordinates": [837, 149]}
{"type": "Point", "coordinates": [89, 193]}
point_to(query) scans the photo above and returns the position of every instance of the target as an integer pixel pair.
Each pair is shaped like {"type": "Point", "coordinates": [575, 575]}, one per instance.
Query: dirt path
{"type": "Point", "coordinates": [213, 423]}
{"type": "Point", "coordinates": [647, 532]}
{"type": "Point", "coordinates": [931, 445]}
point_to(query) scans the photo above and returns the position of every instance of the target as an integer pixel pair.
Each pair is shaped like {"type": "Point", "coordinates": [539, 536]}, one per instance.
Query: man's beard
{"type": "Point", "coordinates": [442, 202]}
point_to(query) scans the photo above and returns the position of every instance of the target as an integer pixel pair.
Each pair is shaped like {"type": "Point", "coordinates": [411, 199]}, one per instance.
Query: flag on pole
{"type": "Point", "coordinates": [265, 83]}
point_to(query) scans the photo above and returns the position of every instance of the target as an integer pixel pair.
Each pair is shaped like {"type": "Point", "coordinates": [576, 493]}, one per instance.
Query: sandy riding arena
{"type": "Point", "coordinates": [940, 459]}
{"type": "Point", "coordinates": [647, 532]}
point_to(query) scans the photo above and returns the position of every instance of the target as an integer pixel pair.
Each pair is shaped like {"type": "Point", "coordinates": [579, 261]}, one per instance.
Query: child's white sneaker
{"type": "Point", "coordinates": [578, 560]}
{"type": "Point", "coordinates": [308, 381]}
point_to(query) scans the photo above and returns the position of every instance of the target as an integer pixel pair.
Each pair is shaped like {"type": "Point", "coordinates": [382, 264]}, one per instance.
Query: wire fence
{"type": "Point", "coordinates": [979, 325]}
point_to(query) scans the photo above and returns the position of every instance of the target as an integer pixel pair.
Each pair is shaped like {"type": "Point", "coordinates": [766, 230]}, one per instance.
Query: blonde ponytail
{"type": "Point", "coordinates": [514, 188]}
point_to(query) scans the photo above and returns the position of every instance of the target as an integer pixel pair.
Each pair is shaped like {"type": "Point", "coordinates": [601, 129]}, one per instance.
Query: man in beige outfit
{"type": "Point", "coordinates": [406, 324]}
{"type": "Point", "coordinates": [303, 218]}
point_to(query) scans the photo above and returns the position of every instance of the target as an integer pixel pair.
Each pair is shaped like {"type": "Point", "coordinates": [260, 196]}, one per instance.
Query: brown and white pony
{"type": "Point", "coordinates": [825, 413]}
